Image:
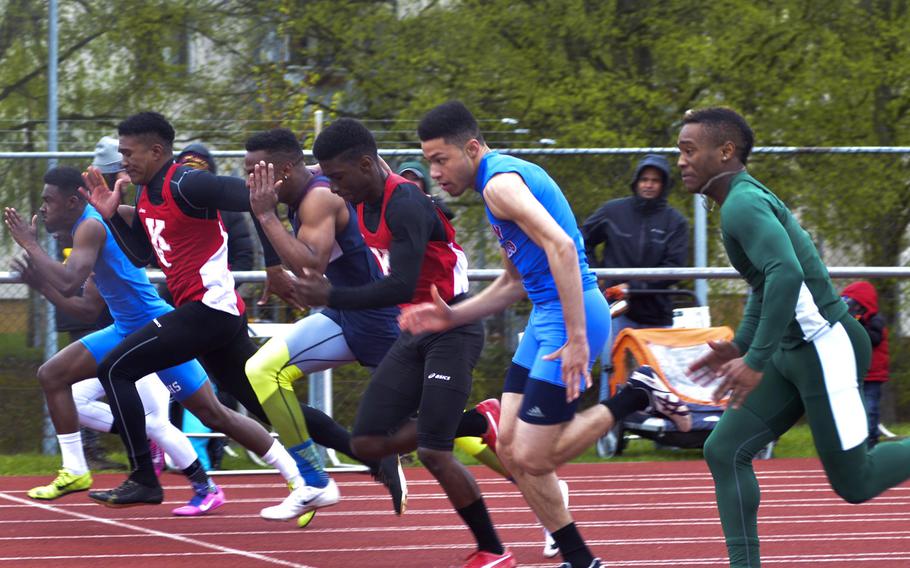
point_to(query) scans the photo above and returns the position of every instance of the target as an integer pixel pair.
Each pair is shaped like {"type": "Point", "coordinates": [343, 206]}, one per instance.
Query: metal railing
{"type": "Point", "coordinates": [489, 274]}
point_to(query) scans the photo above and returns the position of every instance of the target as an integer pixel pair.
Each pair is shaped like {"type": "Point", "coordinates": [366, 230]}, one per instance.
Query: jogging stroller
{"type": "Point", "coordinates": [669, 352]}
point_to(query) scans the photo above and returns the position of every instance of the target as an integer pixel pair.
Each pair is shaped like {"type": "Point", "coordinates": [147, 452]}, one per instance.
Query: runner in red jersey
{"type": "Point", "coordinates": [428, 374]}
{"type": "Point", "coordinates": [176, 219]}
{"type": "Point", "coordinates": [191, 251]}
{"type": "Point", "coordinates": [444, 261]}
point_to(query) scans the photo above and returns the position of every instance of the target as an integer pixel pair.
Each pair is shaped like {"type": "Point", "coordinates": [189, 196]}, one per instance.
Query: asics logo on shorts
{"type": "Point", "coordinates": [439, 377]}
{"type": "Point", "coordinates": [536, 412]}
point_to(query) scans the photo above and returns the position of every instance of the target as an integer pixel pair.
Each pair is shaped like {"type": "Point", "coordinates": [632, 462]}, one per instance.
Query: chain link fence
{"type": "Point", "coordinates": [854, 202]}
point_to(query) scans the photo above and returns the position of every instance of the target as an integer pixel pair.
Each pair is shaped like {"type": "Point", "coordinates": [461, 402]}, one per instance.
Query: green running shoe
{"type": "Point", "coordinates": [66, 482]}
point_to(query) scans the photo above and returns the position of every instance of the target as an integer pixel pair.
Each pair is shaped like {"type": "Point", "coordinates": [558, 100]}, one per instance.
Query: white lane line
{"type": "Point", "coordinates": [128, 526]}
{"type": "Point", "coordinates": [785, 559]}
{"type": "Point", "coordinates": [849, 561]}
{"type": "Point", "coordinates": [664, 540]}
{"type": "Point", "coordinates": [792, 522]}
{"type": "Point", "coordinates": [780, 505]}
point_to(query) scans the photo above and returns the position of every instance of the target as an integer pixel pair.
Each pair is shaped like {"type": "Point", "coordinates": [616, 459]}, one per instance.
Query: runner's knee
{"type": "Point", "coordinates": [532, 461]}
{"type": "Point", "coordinates": [436, 461]}
{"type": "Point", "coordinates": [257, 371]}
{"type": "Point", "coordinates": [368, 447]}
{"type": "Point", "coordinates": [718, 454]}
{"type": "Point", "coordinates": [49, 377]}
{"type": "Point", "coordinates": [214, 416]}
{"type": "Point", "coordinates": [852, 493]}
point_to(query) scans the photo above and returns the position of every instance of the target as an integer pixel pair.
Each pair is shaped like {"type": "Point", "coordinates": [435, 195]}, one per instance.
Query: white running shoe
{"type": "Point", "coordinates": [662, 402]}
{"type": "Point", "coordinates": [301, 500]}
{"type": "Point", "coordinates": [549, 546]}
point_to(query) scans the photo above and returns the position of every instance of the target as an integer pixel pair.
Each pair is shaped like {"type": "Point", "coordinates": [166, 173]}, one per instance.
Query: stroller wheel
{"type": "Point", "coordinates": [607, 445]}
{"type": "Point", "coordinates": [767, 452]}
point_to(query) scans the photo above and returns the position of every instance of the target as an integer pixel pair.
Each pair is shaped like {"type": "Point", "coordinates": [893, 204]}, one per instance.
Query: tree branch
{"type": "Point", "coordinates": [37, 72]}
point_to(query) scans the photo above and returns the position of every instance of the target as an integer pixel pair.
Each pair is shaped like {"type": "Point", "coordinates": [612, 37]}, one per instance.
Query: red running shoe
{"type": "Point", "coordinates": [484, 559]}
{"type": "Point", "coordinates": [490, 409]}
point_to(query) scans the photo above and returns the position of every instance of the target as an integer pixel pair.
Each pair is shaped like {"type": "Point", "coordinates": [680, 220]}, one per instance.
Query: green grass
{"type": "Point", "coordinates": [13, 346]}
{"type": "Point", "coordinates": [797, 443]}
{"type": "Point", "coordinates": [39, 464]}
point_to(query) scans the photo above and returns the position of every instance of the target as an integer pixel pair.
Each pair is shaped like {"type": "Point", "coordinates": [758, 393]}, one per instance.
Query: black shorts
{"type": "Point", "coordinates": [541, 402]}
{"type": "Point", "coordinates": [429, 374]}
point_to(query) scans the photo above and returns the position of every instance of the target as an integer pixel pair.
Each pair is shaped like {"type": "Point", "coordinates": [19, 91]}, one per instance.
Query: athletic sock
{"type": "Point", "coordinates": [573, 547]}
{"type": "Point", "coordinates": [472, 424]}
{"type": "Point", "coordinates": [626, 402]}
{"type": "Point", "coordinates": [309, 463]}
{"type": "Point", "coordinates": [199, 479]}
{"type": "Point", "coordinates": [143, 470]}
{"type": "Point", "coordinates": [478, 520]}
{"type": "Point", "coordinates": [72, 453]}
{"type": "Point", "coordinates": [280, 459]}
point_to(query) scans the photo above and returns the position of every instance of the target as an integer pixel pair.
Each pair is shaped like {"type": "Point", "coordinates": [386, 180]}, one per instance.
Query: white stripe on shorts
{"type": "Point", "coordinates": [838, 362]}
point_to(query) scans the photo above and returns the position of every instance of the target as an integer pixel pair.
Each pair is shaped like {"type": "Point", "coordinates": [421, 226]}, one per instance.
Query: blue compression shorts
{"type": "Point", "coordinates": [182, 380]}
{"type": "Point", "coordinates": [546, 332]}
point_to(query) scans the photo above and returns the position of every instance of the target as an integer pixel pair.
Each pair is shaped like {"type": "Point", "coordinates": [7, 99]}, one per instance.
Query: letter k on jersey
{"type": "Point", "coordinates": [155, 228]}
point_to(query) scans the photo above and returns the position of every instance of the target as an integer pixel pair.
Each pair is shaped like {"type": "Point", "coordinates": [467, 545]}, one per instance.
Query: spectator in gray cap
{"type": "Point", "coordinates": [109, 160]}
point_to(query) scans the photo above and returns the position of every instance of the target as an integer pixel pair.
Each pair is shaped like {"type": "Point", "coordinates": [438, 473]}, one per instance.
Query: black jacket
{"type": "Point", "coordinates": [640, 233]}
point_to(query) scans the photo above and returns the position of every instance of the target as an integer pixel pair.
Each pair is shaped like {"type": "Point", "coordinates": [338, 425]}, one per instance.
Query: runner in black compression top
{"type": "Point", "coordinates": [429, 374]}
{"type": "Point", "coordinates": [413, 221]}
{"type": "Point", "coordinates": [176, 212]}
{"type": "Point", "coordinates": [198, 194]}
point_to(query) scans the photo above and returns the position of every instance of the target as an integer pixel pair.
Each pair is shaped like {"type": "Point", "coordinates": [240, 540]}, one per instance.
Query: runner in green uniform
{"type": "Point", "coordinates": [797, 351]}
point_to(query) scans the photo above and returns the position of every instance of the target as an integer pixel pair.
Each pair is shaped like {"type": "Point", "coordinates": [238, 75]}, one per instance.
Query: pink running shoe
{"type": "Point", "coordinates": [157, 457]}
{"type": "Point", "coordinates": [489, 409]}
{"type": "Point", "coordinates": [201, 504]}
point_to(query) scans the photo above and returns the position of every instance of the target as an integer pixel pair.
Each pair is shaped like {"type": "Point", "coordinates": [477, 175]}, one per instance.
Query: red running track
{"type": "Point", "coordinates": [632, 514]}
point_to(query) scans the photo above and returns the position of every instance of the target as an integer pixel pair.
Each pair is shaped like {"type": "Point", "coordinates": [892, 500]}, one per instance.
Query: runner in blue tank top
{"type": "Point", "coordinates": [326, 238]}
{"type": "Point", "coordinates": [132, 302]}
{"type": "Point", "coordinates": [528, 257]}
{"type": "Point", "coordinates": [538, 427]}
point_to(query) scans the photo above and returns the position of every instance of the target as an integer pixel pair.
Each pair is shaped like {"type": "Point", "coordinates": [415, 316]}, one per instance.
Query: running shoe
{"type": "Point", "coordinates": [128, 494]}
{"type": "Point", "coordinates": [550, 549]}
{"type": "Point", "coordinates": [390, 473]}
{"type": "Point", "coordinates": [490, 409]}
{"type": "Point", "coordinates": [157, 457]}
{"type": "Point", "coordinates": [304, 498]}
{"type": "Point", "coordinates": [65, 482]}
{"type": "Point", "coordinates": [201, 504]}
{"type": "Point", "coordinates": [662, 402]}
{"type": "Point", "coordinates": [484, 559]}
{"type": "Point", "coordinates": [596, 563]}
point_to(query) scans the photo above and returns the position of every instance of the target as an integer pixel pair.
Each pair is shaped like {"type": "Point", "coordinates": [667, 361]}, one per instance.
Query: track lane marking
{"type": "Point", "coordinates": [152, 532]}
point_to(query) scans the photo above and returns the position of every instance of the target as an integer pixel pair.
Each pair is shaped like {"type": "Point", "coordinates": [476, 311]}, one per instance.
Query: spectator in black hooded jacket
{"type": "Point", "coordinates": [236, 223]}
{"type": "Point", "coordinates": [640, 231]}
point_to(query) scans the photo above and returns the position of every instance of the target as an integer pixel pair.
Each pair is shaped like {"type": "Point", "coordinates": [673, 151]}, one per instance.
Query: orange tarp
{"type": "Point", "coordinates": [669, 352]}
